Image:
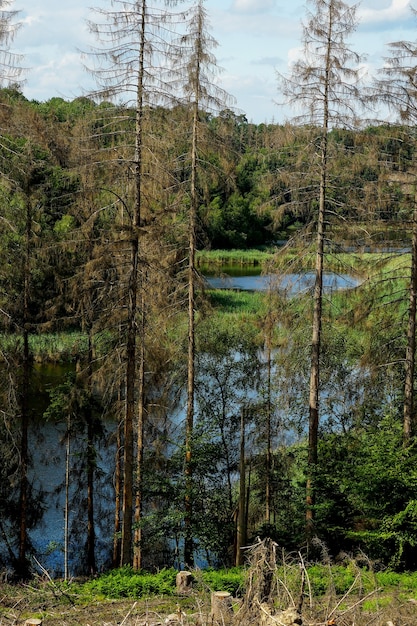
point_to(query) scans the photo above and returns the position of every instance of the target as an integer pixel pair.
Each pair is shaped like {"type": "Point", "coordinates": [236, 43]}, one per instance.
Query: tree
{"type": "Point", "coordinates": [10, 72]}
{"type": "Point", "coordinates": [124, 33]}
{"type": "Point", "coordinates": [228, 371]}
{"type": "Point", "coordinates": [131, 65]}
{"type": "Point", "coordinates": [398, 89]}
{"type": "Point", "coordinates": [325, 82]}
{"type": "Point", "coordinates": [26, 166]}
{"type": "Point", "coordinates": [10, 62]}
{"type": "Point", "coordinates": [197, 71]}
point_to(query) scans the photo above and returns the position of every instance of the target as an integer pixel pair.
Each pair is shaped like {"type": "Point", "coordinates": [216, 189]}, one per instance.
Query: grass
{"type": "Point", "coordinates": [58, 347]}
{"type": "Point", "coordinates": [216, 258]}
{"type": "Point", "coordinates": [230, 301]}
{"type": "Point", "coordinates": [126, 582]}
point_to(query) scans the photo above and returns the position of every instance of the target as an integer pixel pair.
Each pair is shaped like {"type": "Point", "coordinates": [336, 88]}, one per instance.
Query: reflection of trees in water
{"type": "Point", "coordinates": [290, 284]}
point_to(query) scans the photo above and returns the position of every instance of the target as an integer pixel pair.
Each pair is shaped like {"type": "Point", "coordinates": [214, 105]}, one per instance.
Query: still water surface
{"type": "Point", "coordinates": [290, 284]}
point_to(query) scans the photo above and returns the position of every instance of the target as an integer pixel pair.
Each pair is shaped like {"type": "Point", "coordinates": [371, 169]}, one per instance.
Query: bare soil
{"type": "Point", "coordinates": [19, 603]}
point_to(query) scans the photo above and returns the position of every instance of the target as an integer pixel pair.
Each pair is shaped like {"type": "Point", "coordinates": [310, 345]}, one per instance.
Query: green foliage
{"type": "Point", "coordinates": [231, 580]}
{"type": "Point", "coordinates": [366, 481]}
{"type": "Point", "coordinates": [322, 578]}
{"type": "Point", "coordinates": [402, 582]}
{"type": "Point", "coordinates": [128, 583]}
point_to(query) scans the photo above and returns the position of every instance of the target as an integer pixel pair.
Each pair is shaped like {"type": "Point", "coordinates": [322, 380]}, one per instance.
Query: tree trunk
{"type": "Point", "coordinates": [131, 370]}
{"type": "Point", "coordinates": [317, 308]}
{"type": "Point", "coordinates": [24, 452]}
{"type": "Point", "coordinates": [241, 519]}
{"type": "Point", "coordinates": [188, 538]}
{"type": "Point", "coordinates": [117, 494]}
{"type": "Point", "coordinates": [137, 548]}
{"type": "Point", "coordinates": [268, 456]}
{"type": "Point", "coordinates": [91, 464]}
{"type": "Point", "coordinates": [67, 507]}
{"type": "Point", "coordinates": [24, 462]}
{"type": "Point", "coordinates": [410, 354]}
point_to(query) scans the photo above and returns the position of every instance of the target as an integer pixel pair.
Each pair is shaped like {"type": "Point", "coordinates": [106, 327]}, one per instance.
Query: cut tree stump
{"type": "Point", "coordinates": [33, 621]}
{"type": "Point", "coordinates": [184, 582]}
{"type": "Point", "coordinates": [221, 607]}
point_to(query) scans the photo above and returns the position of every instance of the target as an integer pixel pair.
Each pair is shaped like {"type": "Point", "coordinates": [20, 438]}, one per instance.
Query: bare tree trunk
{"type": "Point", "coordinates": [241, 520]}
{"type": "Point", "coordinates": [91, 463]}
{"type": "Point", "coordinates": [131, 373]}
{"type": "Point", "coordinates": [318, 304]}
{"type": "Point", "coordinates": [67, 507]}
{"type": "Point", "coordinates": [24, 460]}
{"type": "Point", "coordinates": [137, 548]}
{"type": "Point", "coordinates": [24, 452]}
{"type": "Point", "coordinates": [117, 496]}
{"type": "Point", "coordinates": [268, 457]}
{"type": "Point", "coordinates": [410, 354]}
{"type": "Point", "coordinates": [188, 539]}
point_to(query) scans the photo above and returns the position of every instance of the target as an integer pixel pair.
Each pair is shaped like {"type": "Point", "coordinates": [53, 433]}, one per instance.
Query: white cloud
{"type": "Point", "coordinates": [397, 10]}
{"type": "Point", "coordinates": [252, 6]}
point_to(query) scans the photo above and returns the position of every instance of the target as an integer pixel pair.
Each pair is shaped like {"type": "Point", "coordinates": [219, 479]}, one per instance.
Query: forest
{"type": "Point", "coordinates": [160, 422]}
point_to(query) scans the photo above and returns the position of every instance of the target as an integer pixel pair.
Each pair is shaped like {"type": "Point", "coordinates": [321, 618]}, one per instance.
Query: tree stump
{"type": "Point", "coordinates": [33, 621]}
{"type": "Point", "coordinates": [184, 582]}
{"type": "Point", "coordinates": [221, 607]}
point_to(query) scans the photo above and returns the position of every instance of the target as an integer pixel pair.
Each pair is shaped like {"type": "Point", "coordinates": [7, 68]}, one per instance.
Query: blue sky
{"type": "Point", "coordinates": [256, 38]}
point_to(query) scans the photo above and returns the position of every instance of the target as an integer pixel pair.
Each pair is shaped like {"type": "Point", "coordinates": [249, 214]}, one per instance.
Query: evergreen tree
{"type": "Point", "coordinates": [325, 82]}
{"type": "Point", "coordinates": [397, 88]}
{"type": "Point", "coordinates": [196, 71]}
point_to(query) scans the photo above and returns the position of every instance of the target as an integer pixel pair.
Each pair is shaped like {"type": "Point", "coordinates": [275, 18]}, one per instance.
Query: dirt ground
{"type": "Point", "coordinates": [21, 603]}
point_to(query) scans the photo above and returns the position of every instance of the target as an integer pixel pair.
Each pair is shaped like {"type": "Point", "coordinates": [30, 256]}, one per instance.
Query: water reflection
{"type": "Point", "coordinates": [291, 284]}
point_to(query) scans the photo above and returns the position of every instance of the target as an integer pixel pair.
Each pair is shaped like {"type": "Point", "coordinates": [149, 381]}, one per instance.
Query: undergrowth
{"type": "Point", "coordinates": [128, 583]}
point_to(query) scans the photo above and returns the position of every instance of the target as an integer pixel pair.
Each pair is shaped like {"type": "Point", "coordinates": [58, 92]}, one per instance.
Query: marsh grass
{"type": "Point", "coordinates": [229, 301]}
{"type": "Point", "coordinates": [58, 347]}
{"type": "Point", "coordinates": [216, 258]}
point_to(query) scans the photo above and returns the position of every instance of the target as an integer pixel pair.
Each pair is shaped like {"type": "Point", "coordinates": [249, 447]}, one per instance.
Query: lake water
{"type": "Point", "coordinates": [290, 284]}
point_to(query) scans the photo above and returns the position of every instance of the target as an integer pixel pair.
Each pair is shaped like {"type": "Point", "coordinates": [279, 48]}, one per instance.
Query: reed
{"type": "Point", "coordinates": [217, 258]}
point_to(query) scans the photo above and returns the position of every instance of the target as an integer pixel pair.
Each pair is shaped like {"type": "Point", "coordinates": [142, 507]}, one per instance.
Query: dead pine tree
{"type": "Point", "coordinates": [324, 83]}
{"type": "Point", "coordinates": [129, 66]}
{"type": "Point", "coordinates": [396, 87]}
{"type": "Point", "coordinates": [194, 74]}
{"type": "Point", "coordinates": [10, 74]}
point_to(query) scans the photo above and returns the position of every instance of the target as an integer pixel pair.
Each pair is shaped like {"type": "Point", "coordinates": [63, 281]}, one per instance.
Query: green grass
{"type": "Point", "coordinates": [58, 347]}
{"type": "Point", "coordinates": [216, 258]}
{"type": "Point", "coordinates": [229, 301]}
{"type": "Point", "coordinates": [127, 583]}
{"type": "Point", "coordinates": [52, 347]}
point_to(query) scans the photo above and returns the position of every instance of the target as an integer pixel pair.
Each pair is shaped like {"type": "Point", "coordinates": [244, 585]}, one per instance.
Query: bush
{"type": "Point", "coordinates": [323, 578]}
{"type": "Point", "coordinates": [231, 580]}
{"type": "Point", "coordinates": [128, 583]}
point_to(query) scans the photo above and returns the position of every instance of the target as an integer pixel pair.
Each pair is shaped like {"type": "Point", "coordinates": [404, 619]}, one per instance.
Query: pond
{"type": "Point", "coordinates": [290, 284]}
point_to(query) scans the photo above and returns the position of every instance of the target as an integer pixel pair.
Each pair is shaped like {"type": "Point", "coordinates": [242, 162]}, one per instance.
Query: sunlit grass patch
{"type": "Point", "coordinates": [233, 301]}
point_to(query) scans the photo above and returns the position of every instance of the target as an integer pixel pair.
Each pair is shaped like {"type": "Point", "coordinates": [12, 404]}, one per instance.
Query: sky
{"type": "Point", "coordinates": [256, 40]}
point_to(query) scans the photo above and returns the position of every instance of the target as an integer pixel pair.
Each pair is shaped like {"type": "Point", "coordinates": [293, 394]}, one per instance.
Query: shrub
{"type": "Point", "coordinates": [231, 580]}
{"type": "Point", "coordinates": [126, 582]}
